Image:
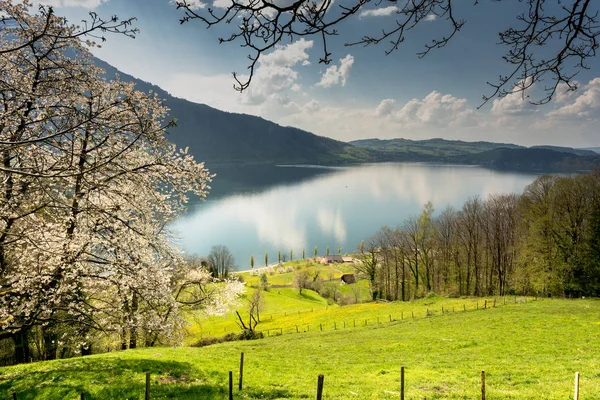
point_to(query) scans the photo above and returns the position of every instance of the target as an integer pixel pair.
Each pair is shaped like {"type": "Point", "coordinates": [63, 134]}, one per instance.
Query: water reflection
{"type": "Point", "coordinates": [334, 207]}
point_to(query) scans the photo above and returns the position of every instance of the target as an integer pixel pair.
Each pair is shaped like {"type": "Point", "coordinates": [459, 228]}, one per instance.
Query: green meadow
{"type": "Point", "coordinates": [529, 351]}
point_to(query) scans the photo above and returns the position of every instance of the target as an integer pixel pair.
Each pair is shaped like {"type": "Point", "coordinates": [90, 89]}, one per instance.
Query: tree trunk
{"type": "Point", "coordinates": [21, 343]}
{"type": "Point", "coordinates": [50, 343]}
{"type": "Point", "coordinates": [133, 318]}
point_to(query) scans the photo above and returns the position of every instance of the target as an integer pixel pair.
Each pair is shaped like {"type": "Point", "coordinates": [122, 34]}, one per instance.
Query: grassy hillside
{"type": "Point", "coordinates": [529, 351]}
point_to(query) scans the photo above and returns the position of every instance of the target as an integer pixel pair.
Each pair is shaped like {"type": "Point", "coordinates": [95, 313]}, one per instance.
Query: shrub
{"type": "Point", "coordinates": [230, 337]}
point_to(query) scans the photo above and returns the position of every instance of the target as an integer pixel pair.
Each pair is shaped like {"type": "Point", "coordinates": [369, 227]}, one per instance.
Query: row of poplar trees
{"type": "Point", "coordinates": [545, 241]}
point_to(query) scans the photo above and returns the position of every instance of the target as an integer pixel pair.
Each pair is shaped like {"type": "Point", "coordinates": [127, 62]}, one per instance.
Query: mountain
{"type": "Point", "coordinates": [227, 139]}
{"type": "Point", "coordinates": [223, 138]}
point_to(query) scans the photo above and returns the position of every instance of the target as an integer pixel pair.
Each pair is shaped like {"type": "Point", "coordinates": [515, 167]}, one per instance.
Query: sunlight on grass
{"type": "Point", "coordinates": [529, 351]}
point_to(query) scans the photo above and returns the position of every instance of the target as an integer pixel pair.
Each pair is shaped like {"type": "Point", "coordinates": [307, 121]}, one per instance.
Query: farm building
{"type": "Point", "coordinates": [331, 259]}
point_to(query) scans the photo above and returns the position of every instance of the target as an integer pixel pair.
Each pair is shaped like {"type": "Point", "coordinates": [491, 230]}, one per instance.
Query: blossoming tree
{"type": "Point", "coordinates": [89, 184]}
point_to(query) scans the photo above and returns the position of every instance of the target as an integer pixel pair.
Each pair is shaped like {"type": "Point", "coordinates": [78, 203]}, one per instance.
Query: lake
{"type": "Point", "coordinates": [254, 209]}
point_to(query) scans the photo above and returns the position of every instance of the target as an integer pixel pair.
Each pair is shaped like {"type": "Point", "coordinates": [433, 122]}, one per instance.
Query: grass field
{"type": "Point", "coordinates": [529, 351]}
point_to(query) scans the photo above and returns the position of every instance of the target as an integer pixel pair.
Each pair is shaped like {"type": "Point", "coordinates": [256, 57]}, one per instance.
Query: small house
{"type": "Point", "coordinates": [331, 259]}
{"type": "Point", "coordinates": [347, 279]}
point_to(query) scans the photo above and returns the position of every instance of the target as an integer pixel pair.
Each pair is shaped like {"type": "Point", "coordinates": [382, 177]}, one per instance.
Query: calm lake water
{"type": "Point", "coordinates": [256, 209]}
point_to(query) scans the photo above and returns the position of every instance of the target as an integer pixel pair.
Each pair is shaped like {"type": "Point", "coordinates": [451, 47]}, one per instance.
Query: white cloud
{"type": "Point", "coordinates": [436, 109]}
{"type": "Point", "coordinates": [385, 107]}
{"type": "Point", "coordinates": [222, 3]}
{"type": "Point", "coordinates": [312, 106]}
{"type": "Point", "coordinates": [564, 93]}
{"type": "Point", "coordinates": [275, 74]}
{"type": "Point", "coordinates": [431, 17]}
{"type": "Point", "coordinates": [585, 104]}
{"type": "Point", "coordinates": [215, 91]}
{"type": "Point", "coordinates": [378, 12]}
{"type": "Point", "coordinates": [334, 74]}
{"type": "Point", "coordinates": [514, 104]}
{"type": "Point", "coordinates": [91, 4]}
{"type": "Point", "coordinates": [194, 4]}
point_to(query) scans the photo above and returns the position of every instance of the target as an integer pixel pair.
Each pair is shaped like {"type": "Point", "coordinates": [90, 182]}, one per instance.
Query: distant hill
{"type": "Point", "coordinates": [531, 159]}
{"type": "Point", "coordinates": [594, 149]}
{"type": "Point", "coordinates": [488, 154]}
{"type": "Point", "coordinates": [223, 138]}
{"type": "Point", "coordinates": [579, 152]}
{"type": "Point", "coordinates": [431, 148]}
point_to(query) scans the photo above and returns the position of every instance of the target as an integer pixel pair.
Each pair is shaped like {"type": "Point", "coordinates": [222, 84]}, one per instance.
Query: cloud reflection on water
{"type": "Point", "coordinates": [338, 208]}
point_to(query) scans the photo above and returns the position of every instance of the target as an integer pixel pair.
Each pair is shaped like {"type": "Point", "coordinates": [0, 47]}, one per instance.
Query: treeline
{"type": "Point", "coordinates": [545, 241]}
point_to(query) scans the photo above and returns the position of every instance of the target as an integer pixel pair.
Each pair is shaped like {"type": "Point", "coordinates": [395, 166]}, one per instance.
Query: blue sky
{"type": "Point", "coordinates": [362, 93]}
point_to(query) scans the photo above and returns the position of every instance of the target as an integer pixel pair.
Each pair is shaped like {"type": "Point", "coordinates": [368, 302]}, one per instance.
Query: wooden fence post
{"type": "Point", "coordinates": [241, 371]}
{"type": "Point", "coordinates": [494, 302]}
{"type": "Point", "coordinates": [482, 385]}
{"type": "Point", "coordinates": [464, 307]}
{"type": "Point", "coordinates": [402, 315]}
{"type": "Point", "coordinates": [320, 387]}
{"type": "Point", "coordinates": [355, 323]}
{"type": "Point", "coordinates": [296, 328]}
{"type": "Point", "coordinates": [390, 317]}
{"type": "Point", "coordinates": [147, 396]}
{"type": "Point", "coordinates": [413, 314]}
{"type": "Point", "coordinates": [402, 382]}
{"type": "Point", "coordinates": [230, 385]}
{"type": "Point", "coordinates": [485, 304]}
{"type": "Point", "coordinates": [321, 325]}
{"type": "Point", "coordinates": [576, 393]}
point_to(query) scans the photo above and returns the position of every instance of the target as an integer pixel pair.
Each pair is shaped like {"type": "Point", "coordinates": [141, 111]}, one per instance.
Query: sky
{"type": "Point", "coordinates": [362, 93]}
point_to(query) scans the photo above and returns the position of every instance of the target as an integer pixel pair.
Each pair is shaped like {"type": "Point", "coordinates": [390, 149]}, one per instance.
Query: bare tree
{"type": "Point", "coordinates": [302, 280]}
{"type": "Point", "coordinates": [256, 304]}
{"type": "Point", "coordinates": [548, 42]}
{"type": "Point", "coordinates": [220, 261]}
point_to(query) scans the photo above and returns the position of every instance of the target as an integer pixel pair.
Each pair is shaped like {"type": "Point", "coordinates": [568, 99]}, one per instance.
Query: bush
{"type": "Point", "coordinates": [230, 337]}
{"type": "Point", "coordinates": [264, 281]}
{"type": "Point", "coordinates": [432, 296]}
{"type": "Point", "coordinates": [289, 268]}
{"type": "Point", "coordinates": [280, 270]}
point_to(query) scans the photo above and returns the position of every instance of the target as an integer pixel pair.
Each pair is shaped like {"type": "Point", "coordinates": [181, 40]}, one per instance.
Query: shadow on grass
{"type": "Point", "coordinates": [115, 378]}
